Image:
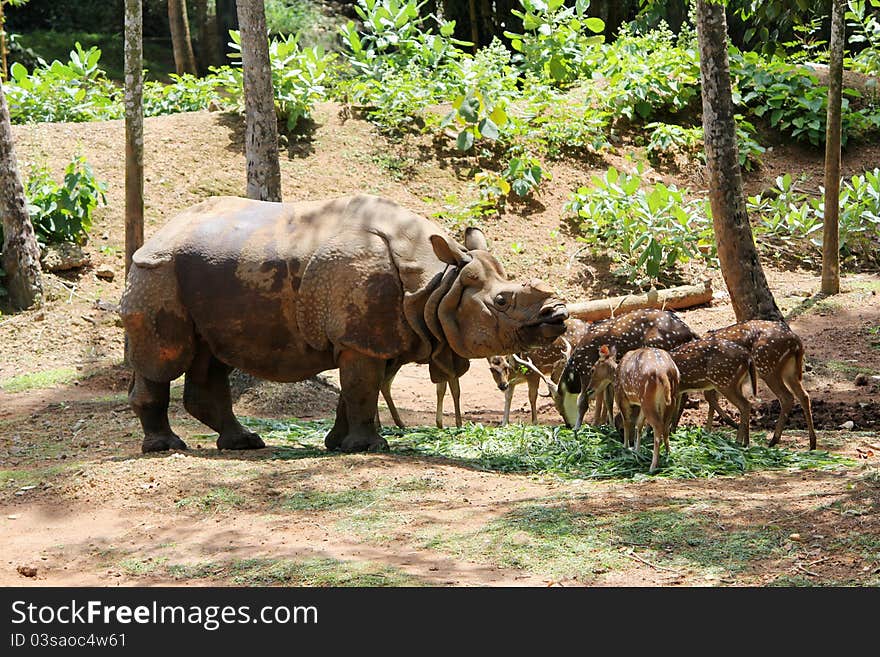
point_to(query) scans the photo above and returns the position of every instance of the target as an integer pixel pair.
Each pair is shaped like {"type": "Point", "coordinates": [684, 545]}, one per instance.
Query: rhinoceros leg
{"type": "Point", "coordinates": [361, 378]}
{"type": "Point", "coordinates": [149, 400]}
{"type": "Point", "coordinates": [206, 397]}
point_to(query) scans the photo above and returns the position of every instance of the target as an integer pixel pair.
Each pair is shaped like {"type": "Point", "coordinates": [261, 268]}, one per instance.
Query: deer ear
{"type": "Point", "coordinates": [612, 350]}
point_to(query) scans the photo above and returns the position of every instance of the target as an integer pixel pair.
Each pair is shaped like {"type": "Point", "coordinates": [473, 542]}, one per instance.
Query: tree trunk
{"type": "Point", "coordinates": [743, 275]}
{"type": "Point", "coordinates": [200, 26]}
{"type": "Point", "coordinates": [261, 130]}
{"type": "Point", "coordinates": [21, 255]}
{"type": "Point", "coordinates": [184, 59]}
{"type": "Point", "coordinates": [226, 18]}
{"type": "Point", "coordinates": [134, 130]}
{"type": "Point", "coordinates": [475, 27]}
{"type": "Point", "coordinates": [4, 73]}
{"type": "Point", "coordinates": [831, 235]}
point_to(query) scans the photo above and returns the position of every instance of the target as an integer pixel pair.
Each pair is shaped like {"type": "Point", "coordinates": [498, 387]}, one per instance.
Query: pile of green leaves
{"type": "Point", "coordinates": [594, 453]}
{"type": "Point", "coordinates": [647, 231]}
{"type": "Point", "coordinates": [793, 220]}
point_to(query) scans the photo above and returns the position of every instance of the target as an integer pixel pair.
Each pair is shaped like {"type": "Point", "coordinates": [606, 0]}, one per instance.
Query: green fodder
{"type": "Point", "coordinates": [594, 453]}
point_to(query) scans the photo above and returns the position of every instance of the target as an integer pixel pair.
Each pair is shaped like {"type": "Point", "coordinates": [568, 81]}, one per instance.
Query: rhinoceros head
{"type": "Point", "coordinates": [483, 313]}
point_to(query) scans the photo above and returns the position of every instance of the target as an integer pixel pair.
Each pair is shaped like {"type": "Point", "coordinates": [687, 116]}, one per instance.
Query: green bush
{"type": "Point", "coordinates": [794, 220]}
{"type": "Point", "coordinates": [559, 43]}
{"type": "Point", "coordinates": [647, 75]}
{"type": "Point", "coordinates": [299, 76]}
{"type": "Point", "coordinates": [76, 91]}
{"type": "Point", "coordinates": [63, 212]}
{"type": "Point", "coordinates": [647, 231]}
{"type": "Point", "coordinates": [187, 93]}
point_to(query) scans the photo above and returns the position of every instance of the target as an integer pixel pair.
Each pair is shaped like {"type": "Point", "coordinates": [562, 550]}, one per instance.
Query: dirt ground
{"type": "Point", "coordinates": [79, 504]}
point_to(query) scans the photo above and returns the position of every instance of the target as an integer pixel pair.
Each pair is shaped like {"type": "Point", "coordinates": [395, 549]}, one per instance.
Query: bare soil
{"type": "Point", "coordinates": [82, 506]}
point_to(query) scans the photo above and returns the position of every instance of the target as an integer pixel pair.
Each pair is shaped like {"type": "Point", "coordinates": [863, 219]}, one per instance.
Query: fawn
{"type": "Point", "coordinates": [711, 364]}
{"type": "Point", "coordinates": [545, 361]}
{"type": "Point", "coordinates": [778, 354]}
{"type": "Point", "coordinates": [640, 328]}
{"type": "Point", "coordinates": [646, 384]}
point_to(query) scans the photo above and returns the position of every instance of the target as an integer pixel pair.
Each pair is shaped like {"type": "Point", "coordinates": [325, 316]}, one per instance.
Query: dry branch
{"type": "Point", "coordinates": [673, 298]}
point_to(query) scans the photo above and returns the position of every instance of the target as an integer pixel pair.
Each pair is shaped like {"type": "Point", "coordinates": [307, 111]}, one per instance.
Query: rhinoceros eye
{"type": "Point", "coordinates": [501, 301]}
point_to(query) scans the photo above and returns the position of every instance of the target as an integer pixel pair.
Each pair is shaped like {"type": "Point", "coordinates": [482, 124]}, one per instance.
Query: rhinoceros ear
{"type": "Point", "coordinates": [475, 240]}
{"type": "Point", "coordinates": [448, 251]}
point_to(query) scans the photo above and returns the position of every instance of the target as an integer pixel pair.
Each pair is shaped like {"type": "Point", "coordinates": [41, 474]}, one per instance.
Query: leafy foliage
{"type": "Point", "coordinates": [559, 42]}
{"type": "Point", "coordinates": [794, 220]}
{"type": "Point", "coordinates": [648, 75]}
{"type": "Point", "coordinates": [648, 231]}
{"type": "Point", "coordinates": [76, 91]}
{"type": "Point", "coordinates": [299, 76]}
{"type": "Point", "coordinates": [187, 93]}
{"type": "Point", "coordinates": [63, 212]}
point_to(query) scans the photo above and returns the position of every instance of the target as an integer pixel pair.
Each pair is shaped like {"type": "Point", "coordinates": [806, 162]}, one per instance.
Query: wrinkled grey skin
{"type": "Point", "coordinates": [286, 290]}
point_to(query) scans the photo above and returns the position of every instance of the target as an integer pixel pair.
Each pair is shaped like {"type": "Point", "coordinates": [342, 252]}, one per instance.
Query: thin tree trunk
{"type": "Point", "coordinates": [4, 72]}
{"type": "Point", "coordinates": [743, 275]}
{"type": "Point", "coordinates": [261, 130]}
{"type": "Point", "coordinates": [184, 59]}
{"type": "Point", "coordinates": [200, 25]}
{"type": "Point", "coordinates": [475, 28]}
{"type": "Point", "coordinates": [831, 235]}
{"type": "Point", "coordinates": [134, 130]}
{"type": "Point", "coordinates": [21, 255]}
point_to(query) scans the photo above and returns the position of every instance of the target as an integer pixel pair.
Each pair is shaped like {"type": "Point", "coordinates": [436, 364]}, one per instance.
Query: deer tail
{"type": "Point", "coordinates": [753, 375]}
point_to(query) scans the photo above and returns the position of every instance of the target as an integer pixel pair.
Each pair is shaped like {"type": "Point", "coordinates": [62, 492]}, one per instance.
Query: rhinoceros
{"type": "Point", "coordinates": [284, 291]}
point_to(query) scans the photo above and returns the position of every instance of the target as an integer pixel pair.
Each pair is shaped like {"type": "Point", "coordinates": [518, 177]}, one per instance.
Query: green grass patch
{"type": "Point", "coordinates": [139, 567]}
{"type": "Point", "coordinates": [840, 367]}
{"type": "Point", "coordinates": [216, 499]}
{"type": "Point", "coordinates": [33, 476]}
{"type": "Point", "coordinates": [289, 572]}
{"type": "Point", "coordinates": [556, 541]}
{"type": "Point", "coordinates": [543, 539]}
{"type": "Point", "coordinates": [36, 380]}
{"type": "Point", "coordinates": [595, 453]}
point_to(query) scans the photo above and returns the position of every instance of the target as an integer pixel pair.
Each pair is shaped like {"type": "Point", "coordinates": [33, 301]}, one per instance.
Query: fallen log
{"type": "Point", "coordinates": [673, 298]}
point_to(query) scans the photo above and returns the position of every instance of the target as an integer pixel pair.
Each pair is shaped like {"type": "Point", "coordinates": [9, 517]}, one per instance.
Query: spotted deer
{"type": "Point", "coordinates": [714, 364]}
{"type": "Point", "coordinates": [662, 329]}
{"type": "Point", "coordinates": [778, 354]}
{"type": "Point", "coordinates": [546, 361]}
{"type": "Point", "coordinates": [646, 386]}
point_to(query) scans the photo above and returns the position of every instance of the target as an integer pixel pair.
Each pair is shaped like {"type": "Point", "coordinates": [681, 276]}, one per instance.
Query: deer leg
{"type": "Point", "coordinates": [456, 398]}
{"type": "Point", "coordinates": [734, 394]}
{"type": "Point", "coordinates": [599, 412]}
{"type": "Point", "coordinates": [508, 399]}
{"type": "Point", "coordinates": [786, 401]}
{"type": "Point", "coordinates": [711, 397]}
{"type": "Point", "coordinates": [792, 379]}
{"type": "Point", "coordinates": [583, 406]}
{"type": "Point", "coordinates": [441, 393]}
{"type": "Point", "coordinates": [386, 395]}
{"type": "Point", "coordinates": [656, 425]}
{"type": "Point", "coordinates": [533, 397]}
